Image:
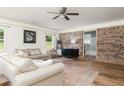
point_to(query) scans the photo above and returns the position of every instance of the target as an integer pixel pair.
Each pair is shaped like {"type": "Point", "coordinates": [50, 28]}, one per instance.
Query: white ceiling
{"type": "Point", "coordinates": [38, 16]}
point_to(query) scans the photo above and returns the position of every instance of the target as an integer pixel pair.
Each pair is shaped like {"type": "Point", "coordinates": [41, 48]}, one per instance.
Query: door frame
{"type": "Point", "coordinates": [96, 41]}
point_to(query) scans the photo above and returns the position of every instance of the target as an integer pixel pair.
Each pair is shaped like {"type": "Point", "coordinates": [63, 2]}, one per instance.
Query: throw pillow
{"type": "Point", "coordinates": [35, 52]}
{"type": "Point", "coordinates": [23, 64]}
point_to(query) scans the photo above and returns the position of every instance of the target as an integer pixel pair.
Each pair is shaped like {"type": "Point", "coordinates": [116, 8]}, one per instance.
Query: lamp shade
{"type": "Point", "coordinates": [73, 41]}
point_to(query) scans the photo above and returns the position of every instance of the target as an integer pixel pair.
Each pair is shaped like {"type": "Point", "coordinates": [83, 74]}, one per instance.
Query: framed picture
{"type": "Point", "coordinates": [29, 36]}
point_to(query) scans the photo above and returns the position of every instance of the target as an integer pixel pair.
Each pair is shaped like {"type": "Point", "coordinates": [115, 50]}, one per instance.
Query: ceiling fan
{"type": "Point", "coordinates": [62, 13]}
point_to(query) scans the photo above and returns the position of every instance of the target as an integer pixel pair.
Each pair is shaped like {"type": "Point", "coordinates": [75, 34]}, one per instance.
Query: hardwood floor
{"type": "Point", "coordinates": [85, 73]}
{"type": "Point", "coordinates": [108, 80]}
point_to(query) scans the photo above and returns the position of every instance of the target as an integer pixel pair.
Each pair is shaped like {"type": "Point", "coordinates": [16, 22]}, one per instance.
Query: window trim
{"type": "Point", "coordinates": [4, 39]}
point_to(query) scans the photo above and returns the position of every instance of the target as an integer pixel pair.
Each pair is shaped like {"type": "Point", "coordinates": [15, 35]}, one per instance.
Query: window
{"type": "Point", "coordinates": [49, 42]}
{"type": "Point", "coordinates": [1, 39]}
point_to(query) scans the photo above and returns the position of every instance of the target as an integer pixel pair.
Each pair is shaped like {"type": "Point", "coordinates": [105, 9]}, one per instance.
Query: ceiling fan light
{"type": "Point", "coordinates": [62, 16]}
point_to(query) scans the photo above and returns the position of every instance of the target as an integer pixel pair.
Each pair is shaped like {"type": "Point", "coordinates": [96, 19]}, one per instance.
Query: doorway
{"type": "Point", "coordinates": [89, 43]}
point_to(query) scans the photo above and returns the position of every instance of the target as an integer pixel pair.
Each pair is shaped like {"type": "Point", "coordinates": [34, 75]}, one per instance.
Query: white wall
{"type": "Point", "coordinates": [14, 37]}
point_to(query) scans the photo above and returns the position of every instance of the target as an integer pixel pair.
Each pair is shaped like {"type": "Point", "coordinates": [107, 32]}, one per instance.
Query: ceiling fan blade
{"type": "Point", "coordinates": [53, 12]}
{"type": "Point", "coordinates": [72, 13]}
{"type": "Point", "coordinates": [63, 10]}
{"type": "Point", "coordinates": [55, 17]}
{"type": "Point", "coordinates": [67, 18]}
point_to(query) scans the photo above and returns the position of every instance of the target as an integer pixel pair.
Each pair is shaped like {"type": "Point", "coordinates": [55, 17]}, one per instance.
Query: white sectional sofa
{"type": "Point", "coordinates": [47, 75]}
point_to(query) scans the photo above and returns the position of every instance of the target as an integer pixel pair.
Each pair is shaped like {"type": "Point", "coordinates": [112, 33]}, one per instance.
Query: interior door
{"type": "Point", "coordinates": [89, 43]}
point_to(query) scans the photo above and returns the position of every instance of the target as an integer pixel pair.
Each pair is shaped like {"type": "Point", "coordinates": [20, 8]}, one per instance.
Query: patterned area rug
{"type": "Point", "coordinates": [76, 73]}
{"type": "Point", "coordinates": [72, 74]}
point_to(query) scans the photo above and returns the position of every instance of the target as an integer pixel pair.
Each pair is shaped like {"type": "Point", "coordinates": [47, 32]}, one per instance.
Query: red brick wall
{"type": "Point", "coordinates": [110, 44]}
{"type": "Point", "coordinates": [66, 41]}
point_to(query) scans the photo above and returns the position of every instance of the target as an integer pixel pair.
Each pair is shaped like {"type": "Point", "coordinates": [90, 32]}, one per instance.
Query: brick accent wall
{"type": "Point", "coordinates": [110, 44]}
{"type": "Point", "coordinates": [66, 41]}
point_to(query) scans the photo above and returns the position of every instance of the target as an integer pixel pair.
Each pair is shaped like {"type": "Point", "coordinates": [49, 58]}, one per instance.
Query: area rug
{"type": "Point", "coordinates": [77, 73]}
{"type": "Point", "coordinates": [72, 75]}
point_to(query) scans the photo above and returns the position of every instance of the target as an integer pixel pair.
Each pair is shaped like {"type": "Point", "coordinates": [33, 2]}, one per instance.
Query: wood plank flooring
{"type": "Point", "coordinates": [88, 73]}
{"type": "Point", "coordinates": [108, 80]}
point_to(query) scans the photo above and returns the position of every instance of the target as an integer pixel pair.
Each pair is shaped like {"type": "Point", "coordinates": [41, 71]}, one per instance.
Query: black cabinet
{"type": "Point", "coordinates": [70, 53]}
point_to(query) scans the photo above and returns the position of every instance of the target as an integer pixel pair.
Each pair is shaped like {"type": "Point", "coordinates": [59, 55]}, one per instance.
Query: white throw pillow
{"type": "Point", "coordinates": [35, 52]}
{"type": "Point", "coordinates": [43, 63]}
{"type": "Point", "coordinates": [24, 64]}
{"type": "Point", "coordinates": [21, 53]}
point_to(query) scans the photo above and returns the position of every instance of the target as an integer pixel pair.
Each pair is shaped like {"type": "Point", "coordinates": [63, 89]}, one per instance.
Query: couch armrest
{"type": "Point", "coordinates": [32, 77]}
{"type": "Point", "coordinates": [8, 70]}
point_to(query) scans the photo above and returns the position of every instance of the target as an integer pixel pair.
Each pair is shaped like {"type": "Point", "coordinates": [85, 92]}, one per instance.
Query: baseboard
{"type": "Point", "coordinates": [118, 62]}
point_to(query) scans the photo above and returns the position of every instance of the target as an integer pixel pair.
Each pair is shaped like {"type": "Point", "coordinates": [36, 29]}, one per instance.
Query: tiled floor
{"type": "Point", "coordinates": [82, 73]}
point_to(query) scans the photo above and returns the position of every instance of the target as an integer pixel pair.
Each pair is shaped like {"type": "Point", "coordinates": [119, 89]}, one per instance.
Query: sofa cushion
{"type": "Point", "coordinates": [21, 54]}
{"type": "Point", "coordinates": [24, 64]}
{"type": "Point", "coordinates": [17, 50]}
{"type": "Point", "coordinates": [28, 52]}
{"type": "Point", "coordinates": [27, 65]}
{"type": "Point", "coordinates": [40, 56]}
{"type": "Point", "coordinates": [35, 51]}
